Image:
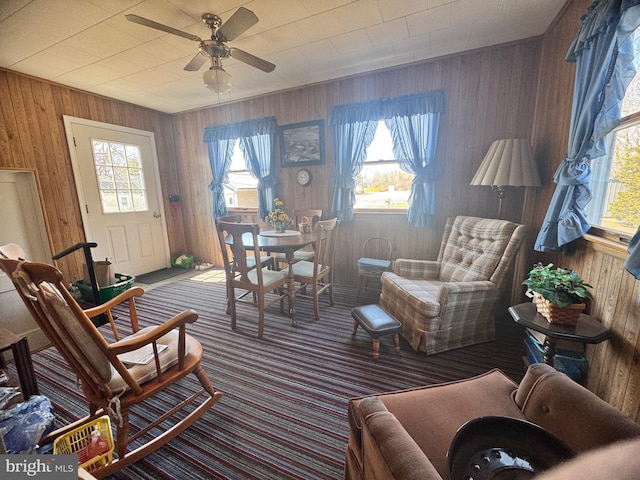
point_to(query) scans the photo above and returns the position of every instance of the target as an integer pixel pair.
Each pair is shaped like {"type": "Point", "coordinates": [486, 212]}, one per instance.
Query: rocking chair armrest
{"type": "Point", "coordinates": [115, 301]}
{"type": "Point", "coordinates": [178, 321]}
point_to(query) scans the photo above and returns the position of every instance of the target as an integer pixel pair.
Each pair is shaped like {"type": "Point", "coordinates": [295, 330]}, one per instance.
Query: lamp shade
{"type": "Point", "coordinates": [217, 79]}
{"type": "Point", "coordinates": [508, 163]}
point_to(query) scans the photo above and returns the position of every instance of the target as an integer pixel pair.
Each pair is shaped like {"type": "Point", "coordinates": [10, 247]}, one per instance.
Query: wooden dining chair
{"type": "Point", "coordinates": [265, 286]}
{"type": "Point", "coordinates": [311, 216]}
{"type": "Point", "coordinates": [265, 261]}
{"type": "Point", "coordinates": [316, 277]}
{"type": "Point", "coordinates": [110, 384]}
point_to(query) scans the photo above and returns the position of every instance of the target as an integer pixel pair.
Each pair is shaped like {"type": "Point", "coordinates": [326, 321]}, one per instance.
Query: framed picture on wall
{"type": "Point", "coordinates": [302, 143]}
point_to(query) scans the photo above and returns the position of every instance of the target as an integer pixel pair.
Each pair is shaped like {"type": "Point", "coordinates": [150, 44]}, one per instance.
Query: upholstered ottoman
{"type": "Point", "coordinates": [377, 323]}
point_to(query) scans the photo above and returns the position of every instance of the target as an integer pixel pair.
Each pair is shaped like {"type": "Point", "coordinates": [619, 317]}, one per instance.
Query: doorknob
{"type": "Point", "coordinates": [156, 215]}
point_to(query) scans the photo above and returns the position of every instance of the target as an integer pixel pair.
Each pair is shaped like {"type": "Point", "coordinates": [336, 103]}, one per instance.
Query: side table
{"type": "Point", "coordinates": [22, 359]}
{"type": "Point", "coordinates": [587, 330]}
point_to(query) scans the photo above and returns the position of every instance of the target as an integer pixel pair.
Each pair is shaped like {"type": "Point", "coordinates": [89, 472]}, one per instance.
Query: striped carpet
{"type": "Point", "coordinates": [283, 413]}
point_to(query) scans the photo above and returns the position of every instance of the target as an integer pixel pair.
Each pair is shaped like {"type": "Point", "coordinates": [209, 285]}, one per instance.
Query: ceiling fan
{"type": "Point", "coordinates": [215, 49]}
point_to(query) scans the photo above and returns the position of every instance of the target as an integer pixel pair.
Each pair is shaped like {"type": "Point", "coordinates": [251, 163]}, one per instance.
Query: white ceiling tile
{"type": "Point", "coordinates": [9, 7]}
{"type": "Point", "coordinates": [419, 46]}
{"type": "Point", "coordinates": [19, 38]}
{"type": "Point", "coordinates": [388, 32]}
{"type": "Point", "coordinates": [357, 15]}
{"type": "Point", "coordinates": [351, 42]}
{"type": "Point", "coordinates": [318, 27]}
{"type": "Point", "coordinates": [89, 44]}
{"type": "Point", "coordinates": [392, 9]}
{"type": "Point", "coordinates": [314, 6]}
{"type": "Point", "coordinates": [429, 21]}
{"type": "Point", "coordinates": [114, 6]}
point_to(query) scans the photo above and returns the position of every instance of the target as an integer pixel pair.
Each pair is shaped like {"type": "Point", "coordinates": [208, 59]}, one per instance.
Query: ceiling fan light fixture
{"type": "Point", "coordinates": [217, 79]}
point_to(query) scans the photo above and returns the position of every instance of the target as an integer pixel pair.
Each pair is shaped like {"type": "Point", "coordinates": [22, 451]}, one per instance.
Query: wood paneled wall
{"type": "Point", "coordinates": [32, 137]}
{"type": "Point", "coordinates": [489, 94]}
{"type": "Point", "coordinates": [614, 372]}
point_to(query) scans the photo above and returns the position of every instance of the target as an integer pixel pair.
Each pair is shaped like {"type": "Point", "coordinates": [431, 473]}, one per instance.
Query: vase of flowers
{"type": "Point", "coordinates": [278, 218]}
{"type": "Point", "coordinates": [559, 293]}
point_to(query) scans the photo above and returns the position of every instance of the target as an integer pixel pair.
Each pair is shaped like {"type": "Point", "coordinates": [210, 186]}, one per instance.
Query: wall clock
{"type": "Point", "coordinates": [303, 177]}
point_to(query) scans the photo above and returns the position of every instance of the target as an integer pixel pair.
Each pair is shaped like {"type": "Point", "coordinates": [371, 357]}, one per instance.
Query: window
{"type": "Point", "coordinates": [242, 190]}
{"type": "Point", "coordinates": [120, 177]}
{"type": "Point", "coordinates": [615, 181]}
{"type": "Point", "coordinates": [382, 184]}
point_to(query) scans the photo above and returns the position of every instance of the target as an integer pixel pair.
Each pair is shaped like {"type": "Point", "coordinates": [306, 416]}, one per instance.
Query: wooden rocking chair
{"type": "Point", "coordinates": [110, 385]}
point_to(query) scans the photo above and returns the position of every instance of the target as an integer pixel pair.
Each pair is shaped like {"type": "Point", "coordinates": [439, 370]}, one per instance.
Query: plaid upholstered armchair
{"type": "Point", "coordinates": [450, 302]}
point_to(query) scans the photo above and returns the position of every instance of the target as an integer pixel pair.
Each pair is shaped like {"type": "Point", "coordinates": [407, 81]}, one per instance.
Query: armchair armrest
{"type": "Point", "coordinates": [571, 412]}
{"type": "Point", "coordinates": [389, 451]}
{"type": "Point", "coordinates": [448, 289]}
{"type": "Point", "coordinates": [410, 268]}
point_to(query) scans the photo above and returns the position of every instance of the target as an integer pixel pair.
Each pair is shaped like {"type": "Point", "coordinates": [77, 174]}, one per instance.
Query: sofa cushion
{"type": "Point", "coordinates": [414, 294]}
{"type": "Point", "coordinates": [474, 248]}
{"type": "Point", "coordinates": [432, 415]}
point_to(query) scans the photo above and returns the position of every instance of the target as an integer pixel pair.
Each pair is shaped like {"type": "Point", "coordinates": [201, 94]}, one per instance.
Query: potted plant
{"type": "Point", "coordinates": [559, 293]}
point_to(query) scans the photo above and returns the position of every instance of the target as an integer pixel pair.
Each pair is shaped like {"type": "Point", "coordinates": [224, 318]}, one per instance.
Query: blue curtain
{"type": "Point", "coordinates": [258, 151]}
{"type": "Point", "coordinates": [603, 53]}
{"type": "Point", "coordinates": [220, 152]}
{"type": "Point", "coordinates": [413, 121]}
{"type": "Point", "coordinates": [354, 127]}
{"type": "Point", "coordinates": [257, 145]}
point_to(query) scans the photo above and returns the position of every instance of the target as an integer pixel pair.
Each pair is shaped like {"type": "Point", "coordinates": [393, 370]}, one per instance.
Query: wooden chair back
{"type": "Point", "coordinates": [238, 263]}
{"type": "Point", "coordinates": [242, 273]}
{"type": "Point", "coordinates": [326, 236]}
{"type": "Point", "coordinates": [377, 247]}
{"type": "Point", "coordinates": [312, 216]}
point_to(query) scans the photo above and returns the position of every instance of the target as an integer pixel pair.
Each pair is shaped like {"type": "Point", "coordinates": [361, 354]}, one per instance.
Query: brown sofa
{"type": "Point", "coordinates": [406, 434]}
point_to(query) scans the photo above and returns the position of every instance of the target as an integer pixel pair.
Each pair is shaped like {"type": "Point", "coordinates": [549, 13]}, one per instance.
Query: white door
{"type": "Point", "coordinates": [116, 176]}
{"type": "Point", "coordinates": [22, 222]}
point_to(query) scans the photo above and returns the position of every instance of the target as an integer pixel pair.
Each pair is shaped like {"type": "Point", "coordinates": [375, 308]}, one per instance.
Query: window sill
{"type": "Point", "coordinates": [394, 211]}
{"type": "Point", "coordinates": [606, 246]}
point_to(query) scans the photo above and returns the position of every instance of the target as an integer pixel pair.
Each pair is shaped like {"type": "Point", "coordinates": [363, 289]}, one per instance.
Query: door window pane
{"type": "Point", "coordinates": [120, 177]}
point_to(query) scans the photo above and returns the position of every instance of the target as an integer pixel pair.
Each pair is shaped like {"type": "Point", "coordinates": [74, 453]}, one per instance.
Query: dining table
{"type": "Point", "coordinates": [287, 243]}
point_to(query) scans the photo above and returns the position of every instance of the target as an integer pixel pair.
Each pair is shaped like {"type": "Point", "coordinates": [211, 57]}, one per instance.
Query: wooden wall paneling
{"type": "Point", "coordinates": [11, 146]}
{"type": "Point", "coordinates": [631, 392]}
{"type": "Point", "coordinates": [629, 328]}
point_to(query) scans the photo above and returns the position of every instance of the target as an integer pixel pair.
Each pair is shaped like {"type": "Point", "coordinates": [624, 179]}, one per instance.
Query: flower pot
{"type": "Point", "coordinates": [280, 227]}
{"type": "Point", "coordinates": [557, 314]}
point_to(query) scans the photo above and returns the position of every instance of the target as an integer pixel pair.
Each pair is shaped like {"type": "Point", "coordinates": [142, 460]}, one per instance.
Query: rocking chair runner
{"type": "Point", "coordinates": [110, 385]}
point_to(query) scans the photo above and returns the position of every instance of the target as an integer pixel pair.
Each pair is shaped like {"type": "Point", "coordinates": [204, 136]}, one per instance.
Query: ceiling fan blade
{"type": "Point", "coordinates": [159, 26]}
{"type": "Point", "coordinates": [195, 63]}
{"type": "Point", "coordinates": [238, 23]}
{"type": "Point", "coordinates": [252, 60]}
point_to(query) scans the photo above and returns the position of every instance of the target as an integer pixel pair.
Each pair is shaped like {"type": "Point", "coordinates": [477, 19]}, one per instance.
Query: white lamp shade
{"type": "Point", "coordinates": [508, 163]}
{"type": "Point", "coordinates": [217, 79]}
